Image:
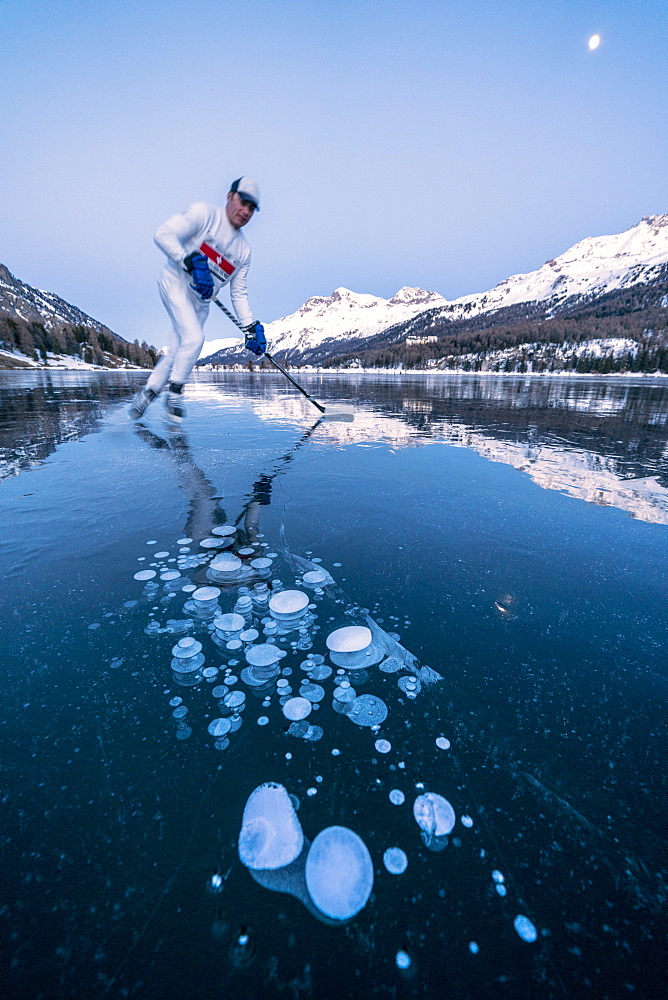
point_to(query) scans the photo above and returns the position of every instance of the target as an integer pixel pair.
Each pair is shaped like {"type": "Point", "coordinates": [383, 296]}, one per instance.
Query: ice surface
{"type": "Point", "coordinates": [395, 860]}
{"type": "Point", "coordinates": [339, 872]}
{"type": "Point", "coordinates": [525, 928]}
{"type": "Point", "coordinates": [434, 814]}
{"type": "Point", "coordinates": [271, 835]}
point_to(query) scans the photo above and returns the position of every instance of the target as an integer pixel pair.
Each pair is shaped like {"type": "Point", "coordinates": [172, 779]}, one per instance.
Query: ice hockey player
{"type": "Point", "coordinates": [205, 250]}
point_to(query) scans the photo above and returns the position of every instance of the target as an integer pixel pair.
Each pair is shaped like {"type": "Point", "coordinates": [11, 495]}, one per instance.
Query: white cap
{"type": "Point", "coordinates": [248, 189]}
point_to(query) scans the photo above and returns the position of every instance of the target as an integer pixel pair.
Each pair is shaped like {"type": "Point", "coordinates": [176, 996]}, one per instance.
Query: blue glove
{"type": "Point", "coordinates": [255, 338]}
{"type": "Point", "coordinates": [196, 264]}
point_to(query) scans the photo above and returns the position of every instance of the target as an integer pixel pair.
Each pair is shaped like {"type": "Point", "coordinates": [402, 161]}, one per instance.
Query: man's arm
{"type": "Point", "coordinates": [180, 233]}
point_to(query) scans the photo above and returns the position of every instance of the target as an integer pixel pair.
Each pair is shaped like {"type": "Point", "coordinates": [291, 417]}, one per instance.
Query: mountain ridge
{"type": "Point", "coordinates": [325, 327]}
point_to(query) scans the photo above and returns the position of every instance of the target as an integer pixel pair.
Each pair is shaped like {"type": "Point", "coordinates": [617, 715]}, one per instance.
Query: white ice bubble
{"type": "Point", "coordinates": [229, 622]}
{"type": "Point", "coordinates": [183, 541]}
{"type": "Point", "coordinates": [403, 960]}
{"type": "Point", "coordinates": [219, 728]}
{"type": "Point", "coordinates": [296, 709]}
{"type": "Point", "coordinates": [442, 743]}
{"type": "Point", "coordinates": [145, 574]}
{"type": "Point", "coordinates": [263, 720]}
{"type": "Point", "coordinates": [368, 710]}
{"type": "Point", "coordinates": [170, 574]}
{"type": "Point", "coordinates": [206, 594]}
{"type": "Point", "coordinates": [223, 530]}
{"type": "Point", "coordinates": [339, 872]}
{"type": "Point", "coordinates": [383, 746]}
{"type": "Point", "coordinates": [474, 947]}
{"type": "Point", "coordinates": [525, 928]}
{"type": "Point", "coordinates": [271, 835]}
{"type": "Point", "coordinates": [434, 814]}
{"type": "Point", "coordinates": [395, 860]}
{"type": "Point", "coordinates": [466, 821]}
{"type": "Point", "coordinates": [501, 889]}
{"type": "Point", "coordinates": [288, 602]}
{"type": "Point", "coordinates": [397, 798]}
{"type": "Point", "coordinates": [498, 876]}
{"type": "Point", "coordinates": [351, 639]}
{"type": "Point", "coordinates": [261, 563]}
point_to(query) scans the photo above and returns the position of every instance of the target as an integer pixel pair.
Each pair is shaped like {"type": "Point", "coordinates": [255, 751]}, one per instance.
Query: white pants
{"type": "Point", "coordinates": [188, 313]}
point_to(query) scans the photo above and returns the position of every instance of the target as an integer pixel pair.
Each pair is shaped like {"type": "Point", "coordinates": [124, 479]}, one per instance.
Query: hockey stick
{"type": "Point", "coordinates": [341, 411]}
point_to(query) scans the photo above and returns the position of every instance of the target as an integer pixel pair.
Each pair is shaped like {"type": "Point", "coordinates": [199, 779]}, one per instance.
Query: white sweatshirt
{"type": "Point", "coordinates": [186, 231]}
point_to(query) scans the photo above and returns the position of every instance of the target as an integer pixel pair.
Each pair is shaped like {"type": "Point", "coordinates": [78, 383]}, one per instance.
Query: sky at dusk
{"type": "Point", "coordinates": [444, 144]}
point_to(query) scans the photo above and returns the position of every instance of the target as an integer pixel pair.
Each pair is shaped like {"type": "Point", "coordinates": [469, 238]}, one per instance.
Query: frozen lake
{"type": "Point", "coordinates": [507, 534]}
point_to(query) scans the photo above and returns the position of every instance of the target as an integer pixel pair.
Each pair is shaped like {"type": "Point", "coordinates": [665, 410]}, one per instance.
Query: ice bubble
{"type": "Point", "coordinates": [183, 541]}
{"type": "Point", "coordinates": [525, 928]}
{"type": "Point", "coordinates": [350, 639]}
{"type": "Point", "coordinates": [263, 720]}
{"type": "Point", "coordinates": [474, 947]}
{"type": "Point", "coordinates": [220, 691]}
{"type": "Point", "coordinates": [161, 555]}
{"type": "Point", "coordinates": [216, 882]}
{"type": "Point", "coordinates": [249, 635]}
{"type": "Point", "coordinates": [206, 594]}
{"type": "Point", "coordinates": [189, 588]}
{"type": "Point", "coordinates": [497, 876]}
{"type": "Point", "coordinates": [315, 576]}
{"type": "Point", "coordinates": [501, 889]}
{"type": "Point", "coordinates": [152, 541]}
{"type": "Point", "coordinates": [223, 529]}
{"type": "Point", "coordinates": [180, 712]}
{"type": "Point", "coordinates": [225, 563]}
{"type": "Point", "coordinates": [383, 746]}
{"type": "Point", "coordinates": [213, 543]}
{"type": "Point", "coordinates": [409, 684]}
{"type": "Point", "coordinates": [210, 674]}
{"type": "Point", "coordinates": [313, 692]}
{"type": "Point", "coordinates": [263, 655]}
{"type": "Point", "coordinates": [234, 699]}
{"type": "Point", "coordinates": [335, 752]}
{"type": "Point", "coordinates": [229, 622]}
{"type": "Point", "coordinates": [434, 814]}
{"type": "Point", "coordinates": [170, 574]}
{"type": "Point", "coordinates": [391, 665]}
{"type": "Point", "coordinates": [403, 960]}
{"type": "Point", "coordinates": [297, 708]}
{"type": "Point", "coordinates": [186, 647]}
{"type": "Point", "coordinates": [339, 872]}
{"type": "Point", "coordinates": [368, 710]}
{"type": "Point", "coordinates": [175, 701]}
{"type": "Point", "coordinates": [395, 860]}
{"type": "Point", "coordinates": [313, 734]}
{"type": "Point", "coordinates": [219, 728]}
{"type": "Point", "coordinates": [442, 743]}
{"type": "Point", "coordinates": [467, 821]}
{"type": "Point", "coordinates": [145, 574]}
{"type": "Point", "coordinates": [261, 563]}
{"type": "Point", "coordinates": [246, 551]}
{"type": "Point", "coordinates": [299, 728]}
{"type": "Point", "coordinates": [288, 603]}
{"type": "Point", "coordinates": [311, 792]}
{"type": "Point", "coordinates": [320, 673]}
{"type": "Point", "coordinates": [397, 798]}
{"type": "Point", "coordinates": [271, 835]}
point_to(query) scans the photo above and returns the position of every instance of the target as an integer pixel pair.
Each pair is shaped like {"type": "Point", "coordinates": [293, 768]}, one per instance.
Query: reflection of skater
{"type": "Point", "coordinates": [205, 250]}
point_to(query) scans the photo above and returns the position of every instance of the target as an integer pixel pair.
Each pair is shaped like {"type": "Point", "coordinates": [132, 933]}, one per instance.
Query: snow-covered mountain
{"type": "Point", "coordinates": [32, 304]}
{"type": "Point", "coordinates": [592, 267]}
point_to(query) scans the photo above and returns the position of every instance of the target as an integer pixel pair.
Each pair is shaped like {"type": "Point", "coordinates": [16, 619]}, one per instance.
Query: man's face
{"type": "Point", "coordinates": [239, 210]}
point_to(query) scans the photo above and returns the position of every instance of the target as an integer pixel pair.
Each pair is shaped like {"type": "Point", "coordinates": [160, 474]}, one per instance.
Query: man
{"type": "Point", "coordinates": [205, 250]}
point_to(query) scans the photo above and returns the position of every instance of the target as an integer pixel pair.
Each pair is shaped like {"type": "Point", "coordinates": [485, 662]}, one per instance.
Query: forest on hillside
{"type": "Point", "coordinates": [95, 347]}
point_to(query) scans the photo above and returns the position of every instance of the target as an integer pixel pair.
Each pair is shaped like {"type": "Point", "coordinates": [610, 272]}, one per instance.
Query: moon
{"type": "Point", "coordinates": [594, 42]}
